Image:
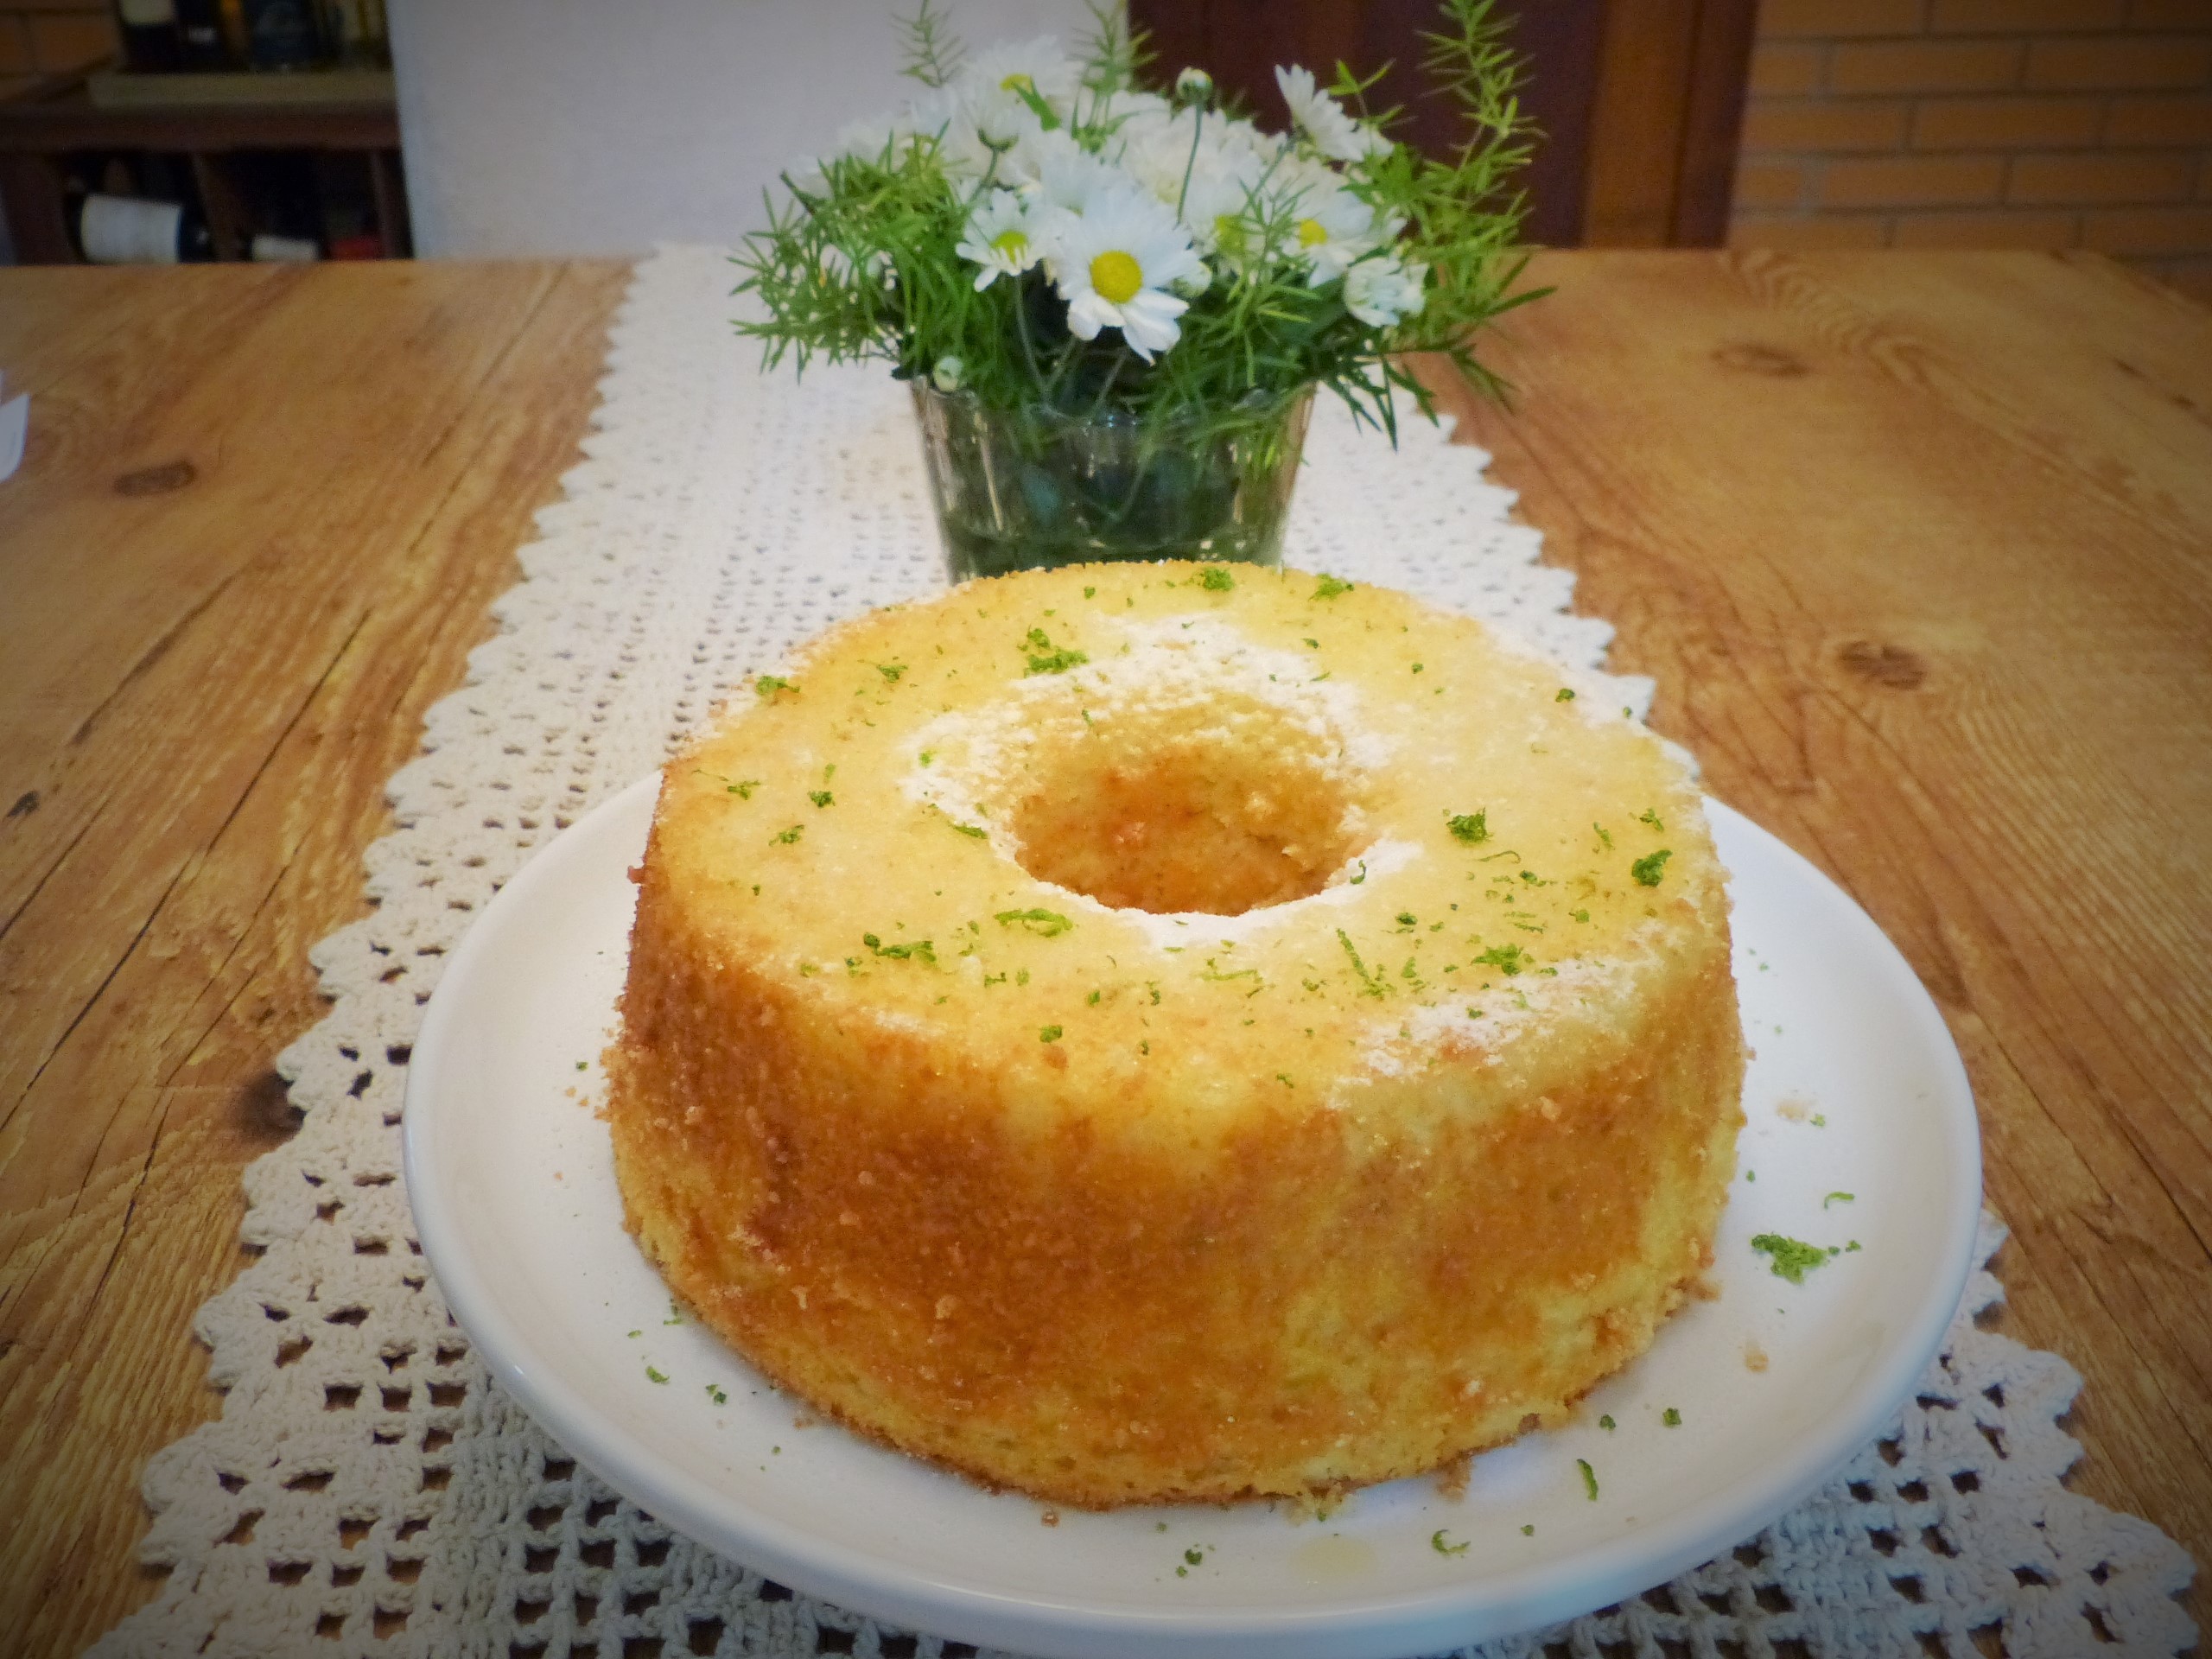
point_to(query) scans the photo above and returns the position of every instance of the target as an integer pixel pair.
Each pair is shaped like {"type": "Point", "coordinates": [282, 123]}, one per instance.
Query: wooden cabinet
{"type": "Point", "coordinates": [224, 150]}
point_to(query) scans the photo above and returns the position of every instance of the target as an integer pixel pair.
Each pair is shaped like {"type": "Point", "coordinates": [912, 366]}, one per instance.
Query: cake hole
{"type": "Point", "coordinates": [1218, 807]}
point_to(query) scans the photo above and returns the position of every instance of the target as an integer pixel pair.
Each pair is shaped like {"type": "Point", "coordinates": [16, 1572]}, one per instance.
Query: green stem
{"type": "Point", "coordinates": [1190, 162]}
{"type": "Point", "coordinates": [1021, 325]}
{"type": "Point", "coordinates": [1112, 375]}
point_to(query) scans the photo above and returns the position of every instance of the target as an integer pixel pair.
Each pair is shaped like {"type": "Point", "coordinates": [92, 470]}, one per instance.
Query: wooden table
{"type": "Point", "coordinates": [1918, 547]}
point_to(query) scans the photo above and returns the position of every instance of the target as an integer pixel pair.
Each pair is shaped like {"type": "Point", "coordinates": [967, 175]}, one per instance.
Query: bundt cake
{"type": "Point", "coordinates": [1167, 1032]}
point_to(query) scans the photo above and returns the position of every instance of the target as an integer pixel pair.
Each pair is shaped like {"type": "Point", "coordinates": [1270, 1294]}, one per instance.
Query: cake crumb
{"type": "Point", "coordinates": [1050, 1518]}
{"type": "Point", "coordinates": [1309, 1505]}
{"type": "Point", "coordinates": [1754, 1356]}
{"type": "Point", "coordinates": [1704, 1289]}
{"type": "Point", "coordinates": [1452, 1478]}
{"type": "Point", "coordinates": [1795, 1108]}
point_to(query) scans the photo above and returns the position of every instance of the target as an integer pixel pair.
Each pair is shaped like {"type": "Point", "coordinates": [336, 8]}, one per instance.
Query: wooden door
{"type": "Point", "coordinates": [1639, 101]}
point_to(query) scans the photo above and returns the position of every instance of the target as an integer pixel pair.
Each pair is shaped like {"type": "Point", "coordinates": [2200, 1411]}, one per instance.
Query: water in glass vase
{"type": "Point", "coordinates": [1034, 488]}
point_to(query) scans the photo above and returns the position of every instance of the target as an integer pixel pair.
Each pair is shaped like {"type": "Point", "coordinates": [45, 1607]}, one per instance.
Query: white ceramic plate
{"type": "Point", "coordinates": [1856, 1088]}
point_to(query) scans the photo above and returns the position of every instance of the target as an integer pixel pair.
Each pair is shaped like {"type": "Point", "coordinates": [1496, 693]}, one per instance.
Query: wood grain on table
{"type": "Point", "coordinates": [1917, 546]}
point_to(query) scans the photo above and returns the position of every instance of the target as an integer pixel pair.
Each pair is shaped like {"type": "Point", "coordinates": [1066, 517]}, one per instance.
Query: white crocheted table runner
{"type": "Point", "coordinates": [369, 1486]}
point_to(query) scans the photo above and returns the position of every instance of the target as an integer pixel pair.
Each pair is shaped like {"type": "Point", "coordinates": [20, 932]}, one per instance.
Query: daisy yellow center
{"type": "Point", "coordinates": [1116, 277]}
{"type": "Point", "coordinates": [1010, 245]}
{"type": "Point", "coordinates": [1017, 82]}
{"type": "Point", "coordinates": [1311, 232]}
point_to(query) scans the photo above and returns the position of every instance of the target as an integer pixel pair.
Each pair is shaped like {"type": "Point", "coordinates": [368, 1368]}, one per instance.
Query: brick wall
{"type": "Point", "coordinates": [48, 37]}
{"type": "Point", "coordinates": [1983, 123]}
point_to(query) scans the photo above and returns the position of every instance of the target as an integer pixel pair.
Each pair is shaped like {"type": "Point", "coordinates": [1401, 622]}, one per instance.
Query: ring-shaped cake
{"type": "Point", "coordinates": [1154, 1032]}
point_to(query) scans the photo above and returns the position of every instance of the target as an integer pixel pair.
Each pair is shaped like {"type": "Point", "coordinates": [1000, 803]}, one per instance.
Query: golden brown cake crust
{"type": "Point", "coordinates": [1011, 1179]}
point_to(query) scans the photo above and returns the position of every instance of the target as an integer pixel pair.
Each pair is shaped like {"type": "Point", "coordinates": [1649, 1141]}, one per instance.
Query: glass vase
{"type": "Point", "coordinates": [1034, 487]}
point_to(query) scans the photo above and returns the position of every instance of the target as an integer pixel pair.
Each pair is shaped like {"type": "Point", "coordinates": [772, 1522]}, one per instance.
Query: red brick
{"type": "Point", "coordinates": [1926, 66]}
{"type": "Point", "coordinates": [1912, 181]}
{"type": "Point", "coordinates": [2119, 63]}
{"type": "Point", "coordinates": [2115, 177]}
{"type": "Point", "coordinates": [2025, 16]}
{"type": "Point", "coordinates": [1801, 234]}
{"type": "Point", "coordinates": [1825, 123]}
{"type": "Point", "coordinates": [66, 41]}
{"type": "Point", "coordinates": [1824, 18]}
{"type": "Point", "coordinates": [2150, 231]}
{"type": "Point", "coordinates": [1997, 229]}
{"type": "Point", "coordinates": [2006, 122]}
{"type": "Point", "coordinates": [1785, 69]}
{"type": "Point", "coordinates": [1769, 184]}
{"type": "Point", "coordinates": [2186, 120]}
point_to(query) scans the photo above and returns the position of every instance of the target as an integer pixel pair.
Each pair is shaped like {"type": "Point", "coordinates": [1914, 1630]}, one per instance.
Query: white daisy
{"type": "Point", "coordinates": [1205, 166]}
{"type": "Point", "coordinates": [1381, 291]}
{"type": "Point", "coordinates": [1319, 116]}
{"type": "Point", "coordinates": [993, 87]}
{"type": "Point", "coordinates": [1116, 262]}
{"type": "Point", "coordinates": [1053, 168]}
{"type": "Point", "coordinates": [1332, 227]}
{"type": "Point", "coordinates": [942, 115]}
{"type": "Point", "coordinates": [998, 238]}
{"type": "Point", "coordinates": [873, 140]}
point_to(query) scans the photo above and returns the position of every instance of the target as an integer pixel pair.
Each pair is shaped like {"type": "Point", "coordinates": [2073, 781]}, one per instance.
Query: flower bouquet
{"type": "Point", "coordinates": [1113, 304]}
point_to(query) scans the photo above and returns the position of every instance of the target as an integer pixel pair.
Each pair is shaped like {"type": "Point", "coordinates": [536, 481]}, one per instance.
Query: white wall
{"type": "Point", "coordinates": [602, 126]}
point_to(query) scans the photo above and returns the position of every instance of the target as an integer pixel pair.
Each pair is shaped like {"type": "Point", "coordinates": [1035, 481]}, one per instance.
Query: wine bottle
{"type": "Point", "coordinates": [128, 231]}
{"type": "Point", "coordinates": [199, 30]}
{"type": "Point", "coordinates": [282, 34]}
{"type": "Point", "coordinates": [282, 250]}
{"type": "Point", "coordinates": [150, 41]}
{"type": "Point", "coordinates": [358, 34]}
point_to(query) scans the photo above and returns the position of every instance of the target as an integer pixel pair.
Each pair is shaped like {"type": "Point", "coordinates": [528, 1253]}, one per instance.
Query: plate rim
{"type": "Point", "coordinates": [968, 1609]}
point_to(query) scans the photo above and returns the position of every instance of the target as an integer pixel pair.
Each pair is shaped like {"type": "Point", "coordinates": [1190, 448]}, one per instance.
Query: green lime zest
{"type": "Point", "coordinates": [1792, 1258]}
{"type": "Point", "coordinates": [1045, 924]}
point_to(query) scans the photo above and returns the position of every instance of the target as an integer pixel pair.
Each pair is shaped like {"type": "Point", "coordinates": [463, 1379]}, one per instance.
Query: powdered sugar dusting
{"type": "Point", "coordinates": [1205, 669]}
